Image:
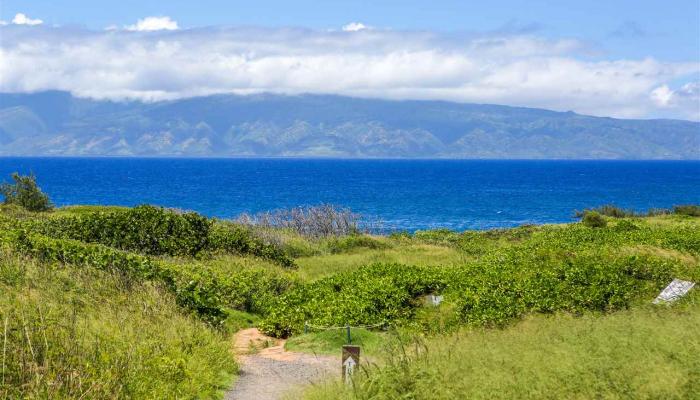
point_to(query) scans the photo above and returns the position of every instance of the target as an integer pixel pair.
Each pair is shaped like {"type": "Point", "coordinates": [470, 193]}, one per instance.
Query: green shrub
{"type": "Point", "coordinates": [25, 192]}
{"type": "Point", "coordinates": [240, 240]}
{"type": "Point", "coordinates": [156, 231]}
{"type": "Point", "coordinates": [609, 210]}
{"type": "Point", "coordinates": [400, 235]}
{"type": "Point", "coordinates": [369, 295]}
{"type": "Point", "coordinates": [593, 219]}
{"type": "Point", "coordinates": [145, 229]}
{"type": "Point", "coordinates": [195, 290]}
{"type": "Point", "coordinates": [691, 210]}
{"type": "Point", "coordinates": [205, 290]}
{"type": "Point", "coordinates": [625, 225]}
{"type": "Point", "coordinates": [570, 268]}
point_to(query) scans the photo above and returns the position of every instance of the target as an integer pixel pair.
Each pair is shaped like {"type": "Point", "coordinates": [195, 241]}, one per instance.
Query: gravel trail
{"type": "Point", "coordinates": [271, 372]}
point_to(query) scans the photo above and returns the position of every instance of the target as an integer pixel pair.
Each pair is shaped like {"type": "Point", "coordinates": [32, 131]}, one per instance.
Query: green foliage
{"type": "Point", "coordinates": [593, 219]}
{"type": "Point", "coordinates": [156, 231]}
{"type": "Point", "coordinates": [25, 193]}
{"type": "Point", "coordinates": [610, 210]}
{"type": "Point", "coordinates": [195, 290]}
{"type": "Point", "coordinates": [572, 268]}
{"type": "Point", "coordinates": [71, 332]}
{"type": "Point", "coordinates": [400, 235]}
{"type": "Point", "coordinates": [209, 292]}
{"type": "Point", "coordinates": [369, 295]}
{"type": "Point", "coordinates": [625, 225]}
{"type": "Point", "coordinates": [145, 229]}
{"type": "Point", "coordinates": [613, 211]}
{"type": "Point", "coordinates": [240, 240]}
{"type": "Point", "coordinates": [690, 210]}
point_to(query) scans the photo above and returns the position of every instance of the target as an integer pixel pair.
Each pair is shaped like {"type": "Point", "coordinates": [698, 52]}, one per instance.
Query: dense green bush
{"type": "Point", "coordinates": [240, 240]}
{"type": "Point", "coordinates": [145, 229]}
{"type": "Point", "coordinates": [691, 210]}
{"type": "Point", "coordinates": [156, 231]}
{"type": "Point", "coordinates": [593, 219]}
{"type": "Point", "coordinates": [610, 211]}
{"type": "Point", "coordinates": [555, 268]}
{"type": "Point", "coordinates": [25, 192]}
{"type": "Point", "coordinates": [370, 295]}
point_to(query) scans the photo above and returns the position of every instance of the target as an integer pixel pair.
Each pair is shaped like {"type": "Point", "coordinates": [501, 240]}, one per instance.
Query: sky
{"type": "Point", "coordinates": [628, 59]}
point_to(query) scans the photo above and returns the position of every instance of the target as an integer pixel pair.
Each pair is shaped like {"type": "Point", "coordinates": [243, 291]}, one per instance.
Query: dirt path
{"type": "Point", "coordinates": [267, 371]}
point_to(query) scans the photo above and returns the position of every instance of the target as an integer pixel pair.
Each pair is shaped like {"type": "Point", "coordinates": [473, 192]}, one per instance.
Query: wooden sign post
{"type": "Point", "coordinates": [351, 360]}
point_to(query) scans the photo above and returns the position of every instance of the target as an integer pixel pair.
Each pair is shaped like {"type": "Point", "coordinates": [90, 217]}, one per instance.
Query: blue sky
{"type": "Point", "coordinates": [620, 58]}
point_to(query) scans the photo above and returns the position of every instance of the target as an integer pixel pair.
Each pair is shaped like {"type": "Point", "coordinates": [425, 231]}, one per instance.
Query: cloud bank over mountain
{"type": "Point", "coordinates": [156, 59]}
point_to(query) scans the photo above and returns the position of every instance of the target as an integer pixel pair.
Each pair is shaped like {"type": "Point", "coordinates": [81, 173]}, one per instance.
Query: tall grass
{"type": "Point", "coordinates": [84, 333]}
{"type": "Point", "coordinates": [640, 354]}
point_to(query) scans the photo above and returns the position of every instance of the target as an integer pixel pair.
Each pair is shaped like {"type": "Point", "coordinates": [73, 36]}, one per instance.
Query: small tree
{"type": "Point", "coordinates": [593, 219]}
{"type": "Point", "coordinates": [25, 193]}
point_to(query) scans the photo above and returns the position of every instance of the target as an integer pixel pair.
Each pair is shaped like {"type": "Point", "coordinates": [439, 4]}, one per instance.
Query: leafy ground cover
{"type": "Point", "coordinates": [200, 280]}
{"type": "Point", "coordinates": [572, 268]}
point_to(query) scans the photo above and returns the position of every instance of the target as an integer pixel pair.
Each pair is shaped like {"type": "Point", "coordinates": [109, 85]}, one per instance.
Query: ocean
{"type": "Point", "coordinates": [399, 194]}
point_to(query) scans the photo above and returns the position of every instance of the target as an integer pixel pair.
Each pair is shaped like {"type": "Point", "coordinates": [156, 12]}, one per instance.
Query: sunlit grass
{"type": "Point", "coordinates": [320, 266]}
{"type": "Point", "coordinates": [644, 353]}
{"type": "Point", "coordinates": [83, 333]}
{"type": "Point", "coordinates": [331, 341]}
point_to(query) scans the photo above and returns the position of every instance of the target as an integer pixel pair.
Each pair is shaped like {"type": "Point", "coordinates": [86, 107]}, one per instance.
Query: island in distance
{"type": "Point", "coordinates": [56, 123]}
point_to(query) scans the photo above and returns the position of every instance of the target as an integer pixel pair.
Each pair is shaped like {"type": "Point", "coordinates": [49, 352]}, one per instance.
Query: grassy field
{"type": "Point", "coordinates": [645, 353]}
{"type": "Point", "coordinates": [112, 302]}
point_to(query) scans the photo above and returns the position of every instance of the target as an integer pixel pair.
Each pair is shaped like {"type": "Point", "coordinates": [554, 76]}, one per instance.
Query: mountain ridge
{"type": "Point", "coordinates": [309, 125]}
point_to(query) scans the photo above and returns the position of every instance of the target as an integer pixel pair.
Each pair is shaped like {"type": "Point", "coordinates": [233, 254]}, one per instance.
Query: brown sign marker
{"type": "Point", "coordinates": [351, 360]}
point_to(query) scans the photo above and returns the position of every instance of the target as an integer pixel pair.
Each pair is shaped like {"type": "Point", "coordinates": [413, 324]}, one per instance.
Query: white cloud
{"type": "Point", "coordinates": [513, 69]}
{"type": "Point", "coordinates": [21, 19]}
{"type": "Point", "coordinates": [685, 99]}
{"type": "Point", "coordinates": [153, 24]}
{"type": "Point", "coordinates": [354, 27]}
{"type": "Point", "coordinates": [662, 95]}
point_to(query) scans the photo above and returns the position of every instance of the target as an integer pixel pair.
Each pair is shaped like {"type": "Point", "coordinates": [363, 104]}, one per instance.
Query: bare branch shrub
{"type": "Point", "coordinates": [320, 221]}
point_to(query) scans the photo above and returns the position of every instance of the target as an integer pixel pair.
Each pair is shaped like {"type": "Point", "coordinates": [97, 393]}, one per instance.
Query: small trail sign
{"type": "Point", "coordinates": [433, 299]}
{"type": "Point", "coordinates": [351, 359]}
{"type": "Point", "coordinates": [674, 291]}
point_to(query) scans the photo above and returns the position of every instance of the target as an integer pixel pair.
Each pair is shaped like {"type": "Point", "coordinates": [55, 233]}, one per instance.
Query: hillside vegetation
{"type": "Point", "coordinates": [75, 332]}
{"type": "Point", "coordinates": [58, 123]}
{"type": "Point", "coordinates": [112, 302]}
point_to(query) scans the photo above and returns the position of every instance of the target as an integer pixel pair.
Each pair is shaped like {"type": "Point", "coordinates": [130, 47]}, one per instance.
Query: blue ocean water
{"type": "Point", "coordinates": [402, 194]}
